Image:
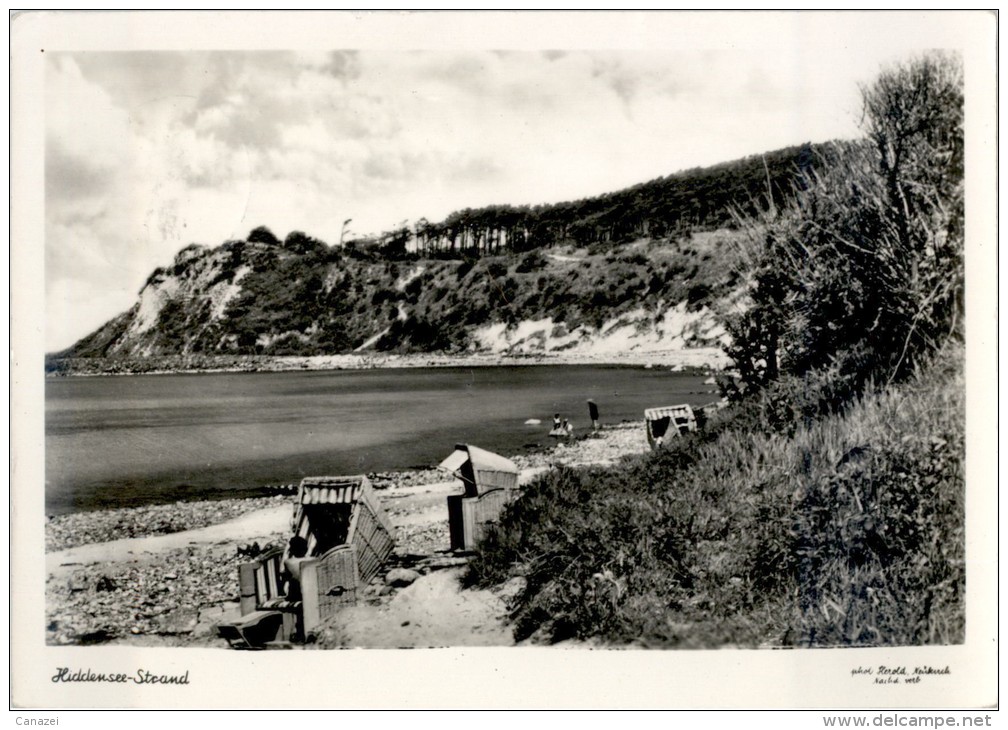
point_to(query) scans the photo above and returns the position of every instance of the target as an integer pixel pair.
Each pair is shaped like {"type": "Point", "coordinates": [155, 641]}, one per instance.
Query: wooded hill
{"type": "Point", "coordinates": [697, 199]}
{"type": "Point", "coordinates": [825, 505]}
{"type": "Point", "coordinates": [657, 245]}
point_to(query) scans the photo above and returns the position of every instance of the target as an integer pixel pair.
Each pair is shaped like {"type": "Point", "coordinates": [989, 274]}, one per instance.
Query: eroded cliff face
{"type": "Point", "coordinates": [265, 298]}
{"type": "Point", "coordinates": [639, 330]}
{"type": "Point", "coordinates": [196, 297]}
{"type": "Point", "coordinates": [646, 267]}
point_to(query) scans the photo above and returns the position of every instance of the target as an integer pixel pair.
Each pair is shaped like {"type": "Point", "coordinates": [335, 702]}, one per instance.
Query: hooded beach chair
{"type": "Point", "coordinates": [489, 481]}
{"type": "Point", "coordinates": [661, 423]}
{"type": "Point", "coordinates": [349, 537]}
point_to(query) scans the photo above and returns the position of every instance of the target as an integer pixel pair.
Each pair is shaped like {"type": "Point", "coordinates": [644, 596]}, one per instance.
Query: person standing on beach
{"type": "Point", "coordinates": [593, 414]}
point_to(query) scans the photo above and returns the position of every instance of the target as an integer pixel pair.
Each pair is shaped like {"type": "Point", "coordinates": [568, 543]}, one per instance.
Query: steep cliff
{"type": "Point", "coordinates": [642, 268]}
{"type": "Point", "coordinates": [270, 298]}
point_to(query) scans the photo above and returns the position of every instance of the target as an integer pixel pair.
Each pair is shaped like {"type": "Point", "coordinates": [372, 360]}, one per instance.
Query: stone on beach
{"type": "Point", "coordinates": [401, 577]}
{"type": "Point", "coordinates": [82, 528]}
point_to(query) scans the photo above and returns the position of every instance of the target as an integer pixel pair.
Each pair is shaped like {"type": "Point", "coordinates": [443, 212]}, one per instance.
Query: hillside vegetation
{"type": "Point", "coordinates": [628, 258]}
{"type": "Point", "coordinates": [824, 505]}
{"type": "Point", "coordinates": [250, 298]}
{"type": "Point", "coordinates": [848, 531]}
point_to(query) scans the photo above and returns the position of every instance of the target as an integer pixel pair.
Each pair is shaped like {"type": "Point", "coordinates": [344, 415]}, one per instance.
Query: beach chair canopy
{"type": "Point", "coordinates": [481, 471]}
{"type": "Point", "coordinates": [324, 508]}
{"type": "Point", "coordinates": [347, 528]}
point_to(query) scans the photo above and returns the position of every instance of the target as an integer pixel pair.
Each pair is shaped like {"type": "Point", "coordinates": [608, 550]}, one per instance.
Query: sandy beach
{"type": "Point", "coordinates": [165, 575]}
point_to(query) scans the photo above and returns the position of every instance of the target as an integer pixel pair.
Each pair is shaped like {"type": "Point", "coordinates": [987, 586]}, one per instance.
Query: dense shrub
{"type": "Point", "coordinates": [301, 243]}
{"type": "Point", "coordinates": [825, 507]}
{"type": "Point", "coordinates": [587, 537]}
{"type": "Point", "coordinates": [697, 295]}
{"type": "Point", "coordinates": [849, 531]}
{"type": "Point", "coordinates": [420, 335]}
{"type": "Point", "coordinates": [496, 269]}
{"type": "Point", "coordinates": [868, 258]}
{"type": "Point", "coordinates": [262, 234]}
{"type": "Point", "coordinates": [532, 261]}
{"type": "Point", "coordinates": [289, 344]}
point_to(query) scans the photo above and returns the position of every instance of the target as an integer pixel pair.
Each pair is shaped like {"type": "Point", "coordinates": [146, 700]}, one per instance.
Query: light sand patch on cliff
{"type": "Point", "coordinates": [636, 332]}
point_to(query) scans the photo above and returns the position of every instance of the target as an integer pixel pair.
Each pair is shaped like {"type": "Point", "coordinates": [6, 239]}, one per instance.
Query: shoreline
{"type": "Point", "coordinates": [108, 524]}
{"type": "Point", "coordinates": [704, 359]}
{"type": "Point", "coordinates": [171, 589]}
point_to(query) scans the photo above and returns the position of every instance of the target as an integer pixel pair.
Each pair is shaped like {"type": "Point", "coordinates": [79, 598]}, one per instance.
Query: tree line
{"type": "Point", "coordinates": [696, 199]}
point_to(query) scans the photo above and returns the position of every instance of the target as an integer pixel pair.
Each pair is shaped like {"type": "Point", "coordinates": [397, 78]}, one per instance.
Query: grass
{"type": "Point", "coordinates": [846, 530]}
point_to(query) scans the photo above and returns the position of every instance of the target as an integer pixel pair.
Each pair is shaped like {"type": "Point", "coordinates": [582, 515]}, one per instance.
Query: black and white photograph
{"type": "Point", "coordinates": [626, 347]}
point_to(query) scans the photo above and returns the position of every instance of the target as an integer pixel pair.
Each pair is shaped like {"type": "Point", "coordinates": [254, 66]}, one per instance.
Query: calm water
{"type": "Point", "coordinates": [113, 441]}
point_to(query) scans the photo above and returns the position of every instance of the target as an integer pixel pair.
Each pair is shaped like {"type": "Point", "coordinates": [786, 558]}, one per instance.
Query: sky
{"type": "Point", "coordinates": [148, 152]}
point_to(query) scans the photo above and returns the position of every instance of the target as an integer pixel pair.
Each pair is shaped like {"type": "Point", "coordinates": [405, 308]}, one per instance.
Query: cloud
{"type": "Point", "coordinates": [71, 177]}
{"type": "Point", "coordinates": [82, 117]}
{"type": "Point", "coordinates": [344, 65]}
{"type": "Point", "coordinates": [148, 152]}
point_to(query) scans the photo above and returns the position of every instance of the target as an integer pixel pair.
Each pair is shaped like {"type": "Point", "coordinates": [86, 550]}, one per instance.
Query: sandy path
{"type": "Point", "coordinates": [433, 612]}
{"type": "Point", "coordinates": [248, 528]}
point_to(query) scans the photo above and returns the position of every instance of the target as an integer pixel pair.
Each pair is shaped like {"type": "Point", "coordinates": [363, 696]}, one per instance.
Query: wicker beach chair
{"type": "Point", "coordinates": [490, 481]}
{"type": "Point", "coordinates": [349, 537]}
{"type": "Point", "coordinates": [661, 423]}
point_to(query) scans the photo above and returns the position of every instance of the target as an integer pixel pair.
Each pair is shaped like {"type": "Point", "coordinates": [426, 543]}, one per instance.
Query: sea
{"type": "Point", "coordinates": [114, 441]}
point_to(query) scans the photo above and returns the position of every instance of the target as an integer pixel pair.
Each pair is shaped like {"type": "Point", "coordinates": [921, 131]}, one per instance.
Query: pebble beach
{"type": "Point", "coordinates": [166, 574]}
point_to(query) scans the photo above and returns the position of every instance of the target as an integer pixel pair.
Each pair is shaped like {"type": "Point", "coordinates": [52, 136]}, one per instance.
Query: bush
{"type": "Point", "coordinates": [290, 343]}
{"type": "Point", "coordinates": [578, 525]}
{"type": "Point", "coordinates": [869, 256]}
{"type": "Point", "coordinates": [697, 295]}
{"type": "Point", "coordinates": [262, 234]}
{"type": "Point", "coordinates": [421, 335]}
{"type": "Point", "coordinates": [497, 269]}
{"type": "Point", "coordinates": [301, 243]}
{"type": "Point", "coordinates": [532, 261]}
{"type": "Point", "coordinates": [849, 531]}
